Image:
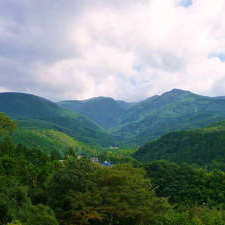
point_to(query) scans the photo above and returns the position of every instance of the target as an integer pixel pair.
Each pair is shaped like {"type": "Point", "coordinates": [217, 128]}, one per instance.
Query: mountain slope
{"type": "Point", "coordinates": [47, 140]}
{"type": "Point", "coordinates": [200, 146]}
{"type": "Point", "coordinates": [137, 123]}
{"type": "Point", "coordinates": [104, 111]}
{"type": "Point", "coordinates": [129, 123]}
{"type": "Point", "coordinates": [174, 110]}
{"type": "Point", "coordinates": [36, 112]}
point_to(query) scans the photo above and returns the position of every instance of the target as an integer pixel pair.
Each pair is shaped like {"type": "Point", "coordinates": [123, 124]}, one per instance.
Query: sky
{"type": "Point", "coordinates": [125, 49]}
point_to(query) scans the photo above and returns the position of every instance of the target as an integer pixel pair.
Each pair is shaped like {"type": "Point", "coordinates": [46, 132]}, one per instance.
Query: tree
{"type": "Point", "coordinates": [84, 193]}
{"type": "Point", "coordinates": [55, 155]}
{"type": "Point", "coordinates": [43, 215]}
{"type": "Point", "coordinates": [7, 125]}
{"type": "Point", "coordinates": [6, 146]}
{"type": "Point", "coordinates": [71, 154]}
{"type": "Point", "coordinates": [15, 204]}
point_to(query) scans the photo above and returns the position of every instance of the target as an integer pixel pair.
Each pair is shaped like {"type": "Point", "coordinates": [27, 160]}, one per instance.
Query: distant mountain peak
{"type": "Point", "coordinates": [176, 90]}
{"type": "Point", "coordinates": [19, 94]}
{"type": "Point", "coordinates": [99, 99]}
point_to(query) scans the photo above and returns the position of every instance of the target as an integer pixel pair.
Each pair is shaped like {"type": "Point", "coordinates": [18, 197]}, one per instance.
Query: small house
{"type": "Point", "coordinates": [95, 159]}
{"type": "Point", "coordinates": [107, 164]}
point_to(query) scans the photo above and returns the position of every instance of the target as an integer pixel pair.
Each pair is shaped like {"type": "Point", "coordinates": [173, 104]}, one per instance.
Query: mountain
{"type": "Point", "coordinates": [107, 122]}
{"type": "Point", "coordinates": [34, 112]}
{"type": "Point", "coordinates": [200, 146]}
{"type": "Point", "coordinates": [174, 110]}
{"type": "Point", "coordinates": [140, 122]}
{"type": "Point", "coordinates": [104, 111]}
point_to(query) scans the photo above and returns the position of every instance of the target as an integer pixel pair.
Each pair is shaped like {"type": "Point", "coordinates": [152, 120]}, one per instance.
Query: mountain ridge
{"type": "Point", "coordinates": [35, 111]}
{"type": "Point", "coordinates": [105, 120]}
{"type": "Point", "coordinates": [102, 110]}
{"type": "Point", "coordinates": [148, 119]}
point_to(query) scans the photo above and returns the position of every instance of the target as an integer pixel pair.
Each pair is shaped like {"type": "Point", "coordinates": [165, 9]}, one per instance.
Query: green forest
{"type": "Point", "coordinates": [204, 147]}
{"type": "Point", "coordinates": [37, 188]}
{"type": "Point", "coordinates": [159, 162]}
{"type": "Point", "coordinates": [103, 122]}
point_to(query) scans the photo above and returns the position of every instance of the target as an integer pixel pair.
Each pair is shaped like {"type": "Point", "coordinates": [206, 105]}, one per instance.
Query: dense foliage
{"type": "Point", "coordinates": [201, 146]}
{"type": "Point", "coordinates": [187, 185]}
{"type": "Point", "coordinates": [38, 189]}
{"type": "Point", "coordinates": [7, 126]}
{"type": "Point", "coordinates": [49, 140]}
{"type": "Point", "coordinates": [22, 173]}
{"type": "Point", "coordinates": [86, 193]}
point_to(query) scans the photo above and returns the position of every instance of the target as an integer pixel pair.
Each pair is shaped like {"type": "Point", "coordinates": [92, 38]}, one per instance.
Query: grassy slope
{"type": "Point", "coordinates": [48, 140]}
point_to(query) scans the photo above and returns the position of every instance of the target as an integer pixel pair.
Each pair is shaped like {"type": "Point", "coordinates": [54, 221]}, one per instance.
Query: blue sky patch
{"type": "Point", "coordinates": [186, 3]}
{"type": "Point", "coordinates": [219, 55]}
{"type": "Point", "coordinates": [137, 68]}
{"type": "Point", "coordinates": [133, 82]}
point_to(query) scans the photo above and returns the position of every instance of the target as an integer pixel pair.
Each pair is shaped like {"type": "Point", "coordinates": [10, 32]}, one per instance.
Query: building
{"type": "Point", "coordinates": [107, 164]}
{"type": "Point", "coordinates": [95, 159]}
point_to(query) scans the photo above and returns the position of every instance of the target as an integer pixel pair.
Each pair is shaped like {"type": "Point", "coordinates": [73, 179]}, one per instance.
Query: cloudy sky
{"type": "Point", "coordinates": [126, 49]}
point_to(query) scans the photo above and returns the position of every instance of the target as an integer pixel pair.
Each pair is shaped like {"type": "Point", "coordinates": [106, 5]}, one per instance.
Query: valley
{"type": "Point", "coordinates": [166, 157]}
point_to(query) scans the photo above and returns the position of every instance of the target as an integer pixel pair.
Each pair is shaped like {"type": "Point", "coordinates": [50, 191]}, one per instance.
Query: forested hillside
{"type": "Point", "coordinates": [48, 141]}
{"type": "Point", "coordinates": [138, 123]}
{"type": "Point", "coordinates": [113, 123]}
{"type": "Point", "coordinates": [39, 189]}
{"type": "Point", "coordinates": [35, 112]}
{"type": "Point", "coordinates": [186, 185]}
{"type": "Point", "coordinates": [104, 111]}
{"type": "Point", "coordinates": [200, 146]}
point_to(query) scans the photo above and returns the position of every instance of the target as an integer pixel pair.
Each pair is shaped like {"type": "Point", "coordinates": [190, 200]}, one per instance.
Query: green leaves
{"type": "Point", "coordinates": [186, 185]}
{"type": "Point", "coordinates": [85, 193]}
{"type": "Point", "coordinates": [7, 126]}
{"type": "Point", "coordinates": [200, 146]}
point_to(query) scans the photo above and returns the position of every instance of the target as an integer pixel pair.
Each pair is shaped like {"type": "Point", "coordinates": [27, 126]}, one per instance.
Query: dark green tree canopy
{"type": "Point", "coordinates": [84, 193]}
{"type": "Point", "coordinates": [7, 125]}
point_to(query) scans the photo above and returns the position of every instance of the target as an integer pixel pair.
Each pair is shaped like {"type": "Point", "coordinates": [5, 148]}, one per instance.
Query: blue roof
{"type": "Point", "coordinates": [106, 163]}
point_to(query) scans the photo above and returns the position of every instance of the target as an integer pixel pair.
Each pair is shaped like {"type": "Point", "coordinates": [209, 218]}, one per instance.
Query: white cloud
{"type": "Point", "coordinates": [3, 89]}
{"type": "Point", "coordinates": [74, 50]}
